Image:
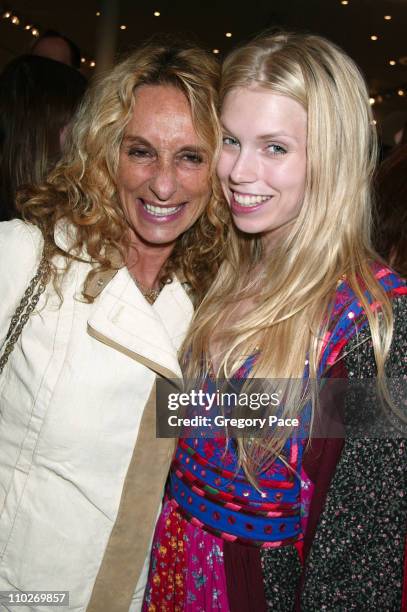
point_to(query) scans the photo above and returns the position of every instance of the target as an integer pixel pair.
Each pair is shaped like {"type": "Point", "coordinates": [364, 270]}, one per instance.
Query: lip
{"type": "Point", "coordinates": [238, 209]}
{"type": "Point", "coordinates": [165, 218]}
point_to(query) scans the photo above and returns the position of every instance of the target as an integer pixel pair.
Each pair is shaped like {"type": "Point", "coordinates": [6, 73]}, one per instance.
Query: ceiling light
{"type": "Point", "coordinates": [27, 27]}
{"type": "Point", "coordinates": [401, 92]}
{"type": "Point", "coordinates": [374, 37]}
{"type": "Point", "coordinates": [15, 20]}
{"type": "Point", "coordinates": [157, 13]}
{"type": "Point", "coordinates": [372, 101]}
{"type": "Point", "coordinates": [216, 51]}
{"type": "Point", "coordinates": [387, 17]}
{"type": "Point", "coordinates": [228, 34]}
{"type": "Point", "coordinates": [344, 2]}
{"type": "Point", "coordinates": [83, 60]}
{"type": "Point", "coordinates": [6, 15]}
{"type": "Point", "coordinates": [392, 62]}
{"type": "Point", "coordinates": [374, 122]}
{"type": "Point", "coordinates": [123, 27]}
{"type": "Point", "coordinates": [35, 32]}
{"type": "Point", "coordinates": [97, 13]}
{"type": "Point", "coordinates": [92, 64]}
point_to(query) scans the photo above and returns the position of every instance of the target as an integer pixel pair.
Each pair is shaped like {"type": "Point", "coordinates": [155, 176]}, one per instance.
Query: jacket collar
{"type": "Point", "coordinates": [152, 335]}
{"type": "Point", "coordinates": [122, 318]}
{"type": "Point", "coordinates": [65, 236]}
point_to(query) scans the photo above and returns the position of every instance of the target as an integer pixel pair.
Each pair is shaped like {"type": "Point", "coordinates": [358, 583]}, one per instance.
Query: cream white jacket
{"type": "Point", "coordinates": [72, 399]}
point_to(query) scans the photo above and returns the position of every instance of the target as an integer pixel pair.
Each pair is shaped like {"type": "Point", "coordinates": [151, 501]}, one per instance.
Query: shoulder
{"type": "Point", "coordinates": [21, 247]}
{"type": "Point", "coordinates": [19, 240]}
{"type": "Point", "coordinates": [345, 294]}
{"type": "Point", "coordinates": [20, 253]}
{"type": "Point", "coordinates": [348, 327]}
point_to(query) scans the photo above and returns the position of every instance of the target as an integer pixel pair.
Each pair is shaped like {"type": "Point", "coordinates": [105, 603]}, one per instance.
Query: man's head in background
{"type": "Point", "coordinates": [55, 46]}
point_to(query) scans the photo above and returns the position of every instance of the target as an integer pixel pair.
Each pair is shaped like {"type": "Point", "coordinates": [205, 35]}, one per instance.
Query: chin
{"type": "Point", "coordinates": [248, 227]}
{"type": "Point", "coordinates": [160, 238]}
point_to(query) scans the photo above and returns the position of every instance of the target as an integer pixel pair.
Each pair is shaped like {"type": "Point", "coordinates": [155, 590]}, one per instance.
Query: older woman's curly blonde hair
{"type": "Point", "coordinates": [82, 188]}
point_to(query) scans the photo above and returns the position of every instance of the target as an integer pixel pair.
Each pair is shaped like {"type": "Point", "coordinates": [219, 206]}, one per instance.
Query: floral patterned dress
{"type": "Point", "coordinates": [220, 540]}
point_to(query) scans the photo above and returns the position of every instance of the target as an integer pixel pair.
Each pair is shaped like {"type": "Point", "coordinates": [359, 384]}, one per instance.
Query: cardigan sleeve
{"type": "Point", "coordinates": [356, 557]}
{"type": "Point", "coordinates": [360, 360]}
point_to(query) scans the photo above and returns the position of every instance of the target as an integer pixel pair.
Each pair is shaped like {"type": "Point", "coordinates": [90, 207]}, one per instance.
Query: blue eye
{"type": "Point", "coordinates": [276, 149]}
{"type": "Point", "coordinates": [230, 141]}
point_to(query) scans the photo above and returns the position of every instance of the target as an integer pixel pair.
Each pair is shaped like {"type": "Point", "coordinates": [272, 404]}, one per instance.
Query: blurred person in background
{"type": "Point", "coordinates": [390, 231]}
{"type": "Point", "coordinates": [54, 45]}
{"type": "Point", "coordinates": [392, 132]}
{"type": "Point", "coordinates": [38, 98]}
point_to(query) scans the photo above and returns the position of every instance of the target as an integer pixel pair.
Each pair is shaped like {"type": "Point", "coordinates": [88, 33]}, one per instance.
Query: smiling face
{"type": "Point", "coordinates": [262, 167]}
{"type": "Point", "coordinates": [163, 176]}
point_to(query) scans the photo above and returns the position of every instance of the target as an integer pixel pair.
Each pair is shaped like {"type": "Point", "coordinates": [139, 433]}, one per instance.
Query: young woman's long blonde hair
{"type": "Point", "coordinates": [329, 239]}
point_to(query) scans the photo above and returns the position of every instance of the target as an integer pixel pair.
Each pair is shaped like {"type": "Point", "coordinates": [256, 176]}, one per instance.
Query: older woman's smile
{"type": "Point", "coordinates": [158, 212]}
{"type": "Point", "coordinates": [163, 176]}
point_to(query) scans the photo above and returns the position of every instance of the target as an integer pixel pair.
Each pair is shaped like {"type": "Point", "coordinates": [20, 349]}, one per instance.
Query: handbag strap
{"type": "Point", "coordinates": [26, 306]}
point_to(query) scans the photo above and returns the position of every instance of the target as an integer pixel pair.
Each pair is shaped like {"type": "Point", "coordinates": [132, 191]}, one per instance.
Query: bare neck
{"type": "Point", "coordinates": [144, 262]}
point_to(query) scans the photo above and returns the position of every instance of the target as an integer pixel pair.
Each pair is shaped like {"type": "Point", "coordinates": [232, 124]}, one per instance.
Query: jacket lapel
{"type": "Point", "coordinates": [123, 319]}
{"type": "Point", "coordinates": [129, 540]}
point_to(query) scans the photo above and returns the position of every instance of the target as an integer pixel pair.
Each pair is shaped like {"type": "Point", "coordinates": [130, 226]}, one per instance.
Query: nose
{"type": "Point", "coordinates": [163, 183]}
{"type": "Point", "coordinates": [245, 168]}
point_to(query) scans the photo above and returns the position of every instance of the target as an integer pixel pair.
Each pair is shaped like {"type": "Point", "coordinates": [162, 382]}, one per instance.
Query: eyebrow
{"type": "Point", "coordinates": [265, 137]}
{"type": "Point", "coordinates": [273, 135]}
{"type": "Point", "coordinates": [133, 138]}
{"type": "Point", "coordinates": [130, 138]}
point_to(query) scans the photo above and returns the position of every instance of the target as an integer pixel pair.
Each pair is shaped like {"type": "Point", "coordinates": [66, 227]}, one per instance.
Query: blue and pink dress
{"type": "Point", "coordinates": [222, 544]}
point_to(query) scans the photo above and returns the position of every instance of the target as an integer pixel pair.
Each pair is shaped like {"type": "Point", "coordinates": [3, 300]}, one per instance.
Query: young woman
{"type": "Point", "coordinates": [272, 522]}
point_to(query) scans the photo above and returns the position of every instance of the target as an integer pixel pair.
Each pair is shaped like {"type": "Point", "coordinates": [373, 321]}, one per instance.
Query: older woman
{"type": "Point", "coordinates": [269, 522]}
{"type": "Point", "coordinates": [93, 282]}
